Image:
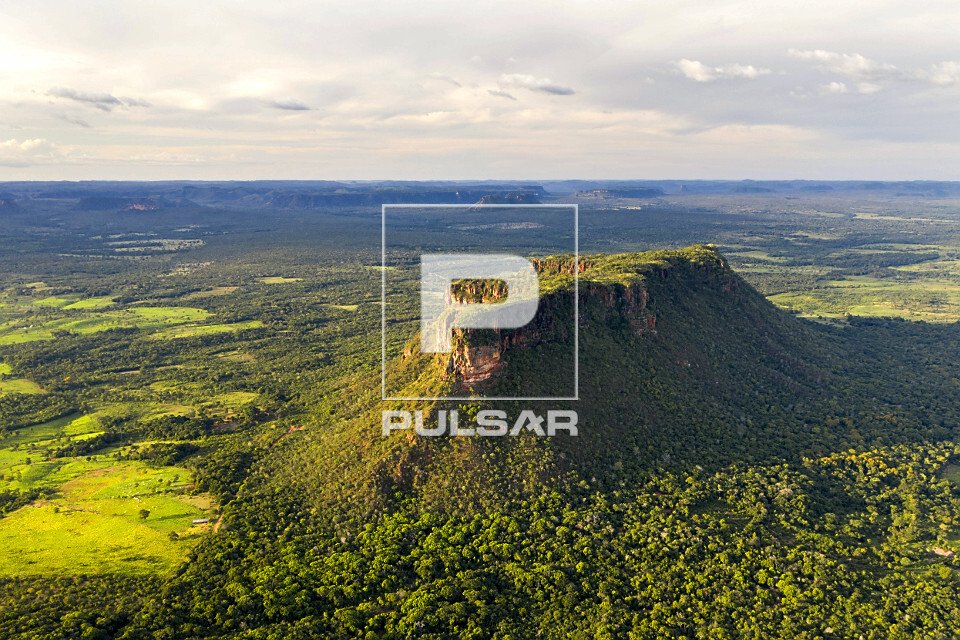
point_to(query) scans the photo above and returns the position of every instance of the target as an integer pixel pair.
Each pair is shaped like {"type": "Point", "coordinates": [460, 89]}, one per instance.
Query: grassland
{"type": "Point", "coordinates": [814, 277]}
{"type": "Point", "coordinates": [24, 462]}
{"type": "Point", "coordinates": [19, 385]}
{"type": "Point", "coordinates": [55, 302]}
{"type": "Point", "coordinates": [869, 296]}
{"type": "Point", "coordinates": [91, 303]}
{"type": "Point", "coordinates": [754, 255]}
{"type": "Point", "coordinates": [949, 267]}
{"type": "Point", "coordinates": [94, 523]}
{"type": "Point", "coordinates": [91, 519]}
{"type": "Point", "coordinates": [193, 331]}
{"type": "Point", "coordinates": [238, 356]}
{"type": "Point", "coordinates": [951, 472]}
{"type": "Point", "coordinates": [20, 324]}
{"type": "Point", "coordinates": [279, 280]}
{"type": "Point", "coordinates": [232, 400]}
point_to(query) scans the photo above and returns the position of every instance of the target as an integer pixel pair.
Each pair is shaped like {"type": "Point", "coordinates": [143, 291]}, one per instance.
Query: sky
{"type": "Point", "coordinates": [526, 89]}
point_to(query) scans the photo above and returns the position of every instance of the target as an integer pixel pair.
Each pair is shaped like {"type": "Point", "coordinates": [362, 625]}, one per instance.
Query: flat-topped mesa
{"type": "Point", "coordinates": [470, 291]}
{"type": "Point", "coordinates": [560, 265]}
{"type": "Point", "coordinates": [613, 290]}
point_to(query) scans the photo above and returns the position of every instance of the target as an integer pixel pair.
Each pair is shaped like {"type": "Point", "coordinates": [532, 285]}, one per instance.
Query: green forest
{"type": "Point", "coordinates": [769, 443]}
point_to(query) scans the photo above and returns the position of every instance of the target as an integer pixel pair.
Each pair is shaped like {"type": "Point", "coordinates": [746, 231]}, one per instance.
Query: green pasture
{"type": "Point", "coordinates": [94, 320]}
{"type": "Point", "coordinates": [192, 331]}
{"type": "Point", "coordinates": [928, 300]}
{"type": "Point", "coordinates": [278, 280]}
{"type": "Point", "coordinates": [91, 520]}
{"type": "Point", "coordinates": [94, 524]}
{"type": "Point", "coordinates": [19, 385]}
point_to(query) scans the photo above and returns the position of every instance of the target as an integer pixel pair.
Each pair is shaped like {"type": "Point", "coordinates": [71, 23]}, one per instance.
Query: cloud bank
{"type": "Point", "coordinates": [699, 72]}
{"type": "Point", "coordinates": [290, 89]}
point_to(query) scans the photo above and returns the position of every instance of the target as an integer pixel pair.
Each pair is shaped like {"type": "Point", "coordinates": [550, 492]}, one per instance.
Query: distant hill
{"type": "Point", "coordinates": [309, 194]}
{"type": "Point", "coordinates": [144, 196]}
{"type": "Point", "coordinates": [119, 203]}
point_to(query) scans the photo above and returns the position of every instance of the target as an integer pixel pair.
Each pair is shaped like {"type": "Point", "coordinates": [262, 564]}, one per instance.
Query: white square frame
{"type": "Point", "coordinates": [383, 299]}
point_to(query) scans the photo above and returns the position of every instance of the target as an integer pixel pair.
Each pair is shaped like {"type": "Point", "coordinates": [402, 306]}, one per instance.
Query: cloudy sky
{"type": "Point", "coordinates": [519, 89]}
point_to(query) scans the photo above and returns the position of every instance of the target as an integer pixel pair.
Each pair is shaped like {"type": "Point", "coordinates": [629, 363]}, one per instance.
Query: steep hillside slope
{"type": "Point", "coordinates": [682, 364]}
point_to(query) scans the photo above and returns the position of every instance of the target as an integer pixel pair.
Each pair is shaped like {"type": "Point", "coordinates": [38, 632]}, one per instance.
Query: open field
{"type": "Point", "coordinates": [19, 385]}
{"type": "Point", "coordinates": [949, 267]}
{"type": "Point", "coordinates": [53, 302]}
{"type": "Point", "coordinates": [88, 318]}
{"type": "Point", "coordinates": [91, 520]}
{"type": "Point", "coordinates": [91, 303]}
{"type": "Point", "coordinates": [94, 523]}
{"type": "Point", "coordinates": [192, 331]}
{"type": "Point", "coordinates": [238, 356]}
{"type": "Point", "coordinates": [278, 280]}
{"type": "Point", "coordinates": [951, 472]}
{"type": "Point", "coordinates": [763, 256]}
{"type": "Point", "coordinates": [343, 307]}
{"type": "Point", "coordinates": [930, 300]}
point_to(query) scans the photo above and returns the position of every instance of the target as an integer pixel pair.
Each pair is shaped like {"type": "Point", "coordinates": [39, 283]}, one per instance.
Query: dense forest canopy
{"type": "Point", "coordinates": [190, 418]}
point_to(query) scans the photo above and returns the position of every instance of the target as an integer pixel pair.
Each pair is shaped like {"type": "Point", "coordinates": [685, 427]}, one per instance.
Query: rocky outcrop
{"type": "Point", "coordinates": [616, 295]}
{"type": "Point", "coordinates": [478, 354]}
{"type": "Point", "coordinates": [511, 197]}
{"type": "Point", "coordinates": [618, 303]}
{"type": "Point", "coordinates": [473, 365]}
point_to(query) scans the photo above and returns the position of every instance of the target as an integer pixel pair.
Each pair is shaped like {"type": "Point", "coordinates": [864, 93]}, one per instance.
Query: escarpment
{"type": "Point", "coordinates": [612, 290]}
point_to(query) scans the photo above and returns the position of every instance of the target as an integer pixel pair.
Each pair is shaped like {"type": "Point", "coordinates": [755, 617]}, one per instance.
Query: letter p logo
{"type": "Point", "coordinates": [440, 313]}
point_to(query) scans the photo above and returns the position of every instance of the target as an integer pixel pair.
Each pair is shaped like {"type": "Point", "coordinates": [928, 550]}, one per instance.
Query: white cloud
{"type": "Point", "coordinates": [944, 74]}
{"type": "Point", "coordinates": [27, 146]}
{"type": "Point", "coordinates": [80, 122]}
{"type": "Point", "coordinates": [700, 72]}
{"type": "Point", "coordinates": [834, 87]}
{"type": "Point", "coordinates": [23, 153]}
{"type": "Point", "coordinates": [851, 65]}
{"type": "Point", "coordinates": [385, 102]}
{"type": "Point", "coordinates": [696, 70]}
{"type": "Point", "coordinates": [543, 85]}
{"type": "Point", "coordinates": [870, 76]}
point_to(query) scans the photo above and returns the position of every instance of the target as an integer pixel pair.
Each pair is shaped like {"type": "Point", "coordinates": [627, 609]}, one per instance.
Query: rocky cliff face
{"type": "Point", "coordinates": [478, 354]}
{"type": "Point", "coordinates": [622, 301]}
{"type": "Point", "coordinates": [473, 365]}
